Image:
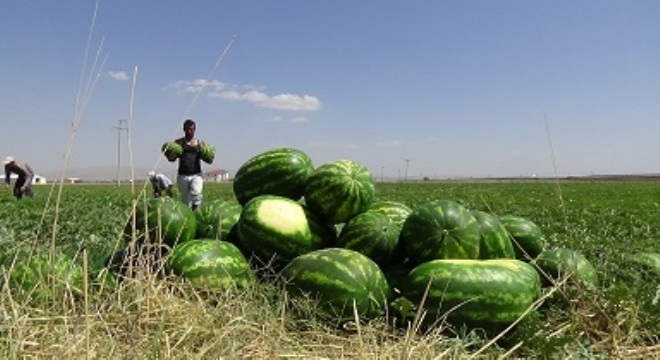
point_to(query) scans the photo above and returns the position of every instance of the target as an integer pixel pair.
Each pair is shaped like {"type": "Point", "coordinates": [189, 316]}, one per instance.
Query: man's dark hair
{"type": "Point", "coordinates": [188, 123]}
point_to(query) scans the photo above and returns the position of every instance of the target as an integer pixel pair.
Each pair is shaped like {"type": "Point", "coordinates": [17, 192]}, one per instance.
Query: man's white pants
{"type": "Point", "coordinates": [190, 188]}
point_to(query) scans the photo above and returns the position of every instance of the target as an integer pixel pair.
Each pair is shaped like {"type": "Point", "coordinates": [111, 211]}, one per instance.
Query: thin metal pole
{"type": "Point", "coordinates": [406, 173]}
{"type": "Point", "coordinates": [119, 128]}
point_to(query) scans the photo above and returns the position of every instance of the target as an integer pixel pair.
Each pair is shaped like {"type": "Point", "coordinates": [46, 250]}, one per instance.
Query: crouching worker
{"type": "Point", "coordinates": [161, 184]}
{"type": "Point", "coordinates": [23, 184]}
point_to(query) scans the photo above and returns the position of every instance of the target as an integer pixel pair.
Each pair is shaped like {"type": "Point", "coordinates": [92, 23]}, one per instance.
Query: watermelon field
{"type": "Point", "coordinates": [607, 305]}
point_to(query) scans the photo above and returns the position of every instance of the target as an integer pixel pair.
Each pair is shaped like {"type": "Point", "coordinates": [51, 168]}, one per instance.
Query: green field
{"type": "Point", "coordinates": [604, 220]}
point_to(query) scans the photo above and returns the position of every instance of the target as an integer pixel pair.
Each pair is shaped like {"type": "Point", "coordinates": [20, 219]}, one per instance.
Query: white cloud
{"type": "Point", "coordinates": [118, 75]}
{"type": "Point", "coordinates": [250, 93]}
{"type": "Point", "coordinates": [275, 119]}
{"type": "Point", "coordinates": [299, 120]}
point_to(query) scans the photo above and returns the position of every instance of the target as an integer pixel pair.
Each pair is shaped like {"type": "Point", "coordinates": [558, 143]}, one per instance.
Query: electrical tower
{"type": "Point", "coordinates": [405, 176]}
{"type": "Point", "coordinates": [119, 128]}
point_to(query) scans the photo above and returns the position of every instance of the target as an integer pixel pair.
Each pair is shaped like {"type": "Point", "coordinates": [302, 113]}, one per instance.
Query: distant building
{"type": "Point", "coordinates": [217, 175]}
{"type": "Point", "coordinates": [36, 179]}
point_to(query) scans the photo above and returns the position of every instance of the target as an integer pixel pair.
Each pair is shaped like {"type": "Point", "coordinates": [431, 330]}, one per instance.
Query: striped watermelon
{"type": "Point", "coordinates": [495, 242]}
{"type": "Point", "coordinates": [340, 279]}
{"type": "Point", "coordinates": [440, 229]}
{"type": "Point", "coordinates": [46, 279]}
{"type": "Point", "coordinates": [646, 261]}
{"type": "Point", "coordinates": [397, 211]}
{"type": "Point", "coordinates": [207, 152]}
{"type": "Point", "coordinates": [556, 263]}
{"type": "Point", "coordinates": [215, 218]}
{"type": "Point", "coordinates": [162, 219]}
{"type": "Point", "coordinates": [370, 233]}
{"type": "Point", "coordinates": [488, 293]}
{"type": "Point", "coordinates": [339, 190]}
{"type": "Point", "coordinates": [279, 229]}
{"type": "Point", "coordinates": [210, 264]}
{"type": "Point", "coordinates": [281, 171]}
{"type": "Point", "coordinates": [526, 236]}
{"type": "Point", "coordinates": [172, 150]}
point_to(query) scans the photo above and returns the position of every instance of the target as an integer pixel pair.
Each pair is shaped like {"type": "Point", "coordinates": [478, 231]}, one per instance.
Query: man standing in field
{"type": "Point", "coordinates": [191, 151]}
{"type": "Point", "coordinates": [23, 185]}
{"type": "Point", "coordinates": [161, 184]}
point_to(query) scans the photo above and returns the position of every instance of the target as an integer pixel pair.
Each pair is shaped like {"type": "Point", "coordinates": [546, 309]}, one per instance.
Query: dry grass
{"type": "Point", "coordinates": [151, 317]}
{"type": "Point", "coordinates": [148, 317]}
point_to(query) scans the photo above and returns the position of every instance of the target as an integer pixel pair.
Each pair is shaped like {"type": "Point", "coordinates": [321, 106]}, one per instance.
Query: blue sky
{"type": "Point", "coordinates": [444, 88]}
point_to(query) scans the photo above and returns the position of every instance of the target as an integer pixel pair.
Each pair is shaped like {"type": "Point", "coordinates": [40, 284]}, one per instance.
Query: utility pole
{"type": "Point", "coordinates": [381, 173]}
{"type": "Point", "coordinates": [121, 126]}
{"type": "Point", "coordinates": [406, 172]}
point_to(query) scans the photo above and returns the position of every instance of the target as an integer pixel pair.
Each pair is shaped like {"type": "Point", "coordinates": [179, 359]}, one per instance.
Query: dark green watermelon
{"type": "Point", "coordinates": [210, 264]}
{"type": "Point", "coordinates": [46, 278]}
{"type": "Point", "coordinates": [162, 220]}
{"type": "Point", "coordinates": [495, 242]}
{"type": "Point", "coordinates": [339, 279]}
{"type": "Point", "coordinates": [370, 233]}
{"type": "Point", "coordinates": [281, 172]}
{"type": "Point", "coordinates": [526, 237]}
{"type": "Point", "coordinates": [440, 229]}
{"type": "Point", "coordinates": [397, 211]}
{"type": "Point", "coordinates": [489, 293]}
{"type": "Point", "coordinates": [215, 219]}
{"type": "Point", "coordinates": [554, 264]}
{"type": "Point", "coordinates": [339, 190]}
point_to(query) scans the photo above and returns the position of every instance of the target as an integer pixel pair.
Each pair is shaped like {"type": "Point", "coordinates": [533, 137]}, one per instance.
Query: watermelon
{"type": "Point", "coordinates": [172, 150]}
{"type": "Point", "coordinates": [46, 279]}
{"type": "Point", "coordinates": [370, 233]}
{"type": "Point", "coordinates": [162, 219]}
{"type": "Point", "coordinates": [440, 229]}
{"type": "Point", "coordinates": [397, 212]}
{"type": "Point", "coordinates": [495, 242]}
{"type": "Point", "coordinates": [526, 236]}
{"type": "Point", "coordinates": [556, 263]}
{"type": "Point", "coordinates": [339, 190]}
{"type": "Point", "coordinates": [339, 279]}
{"type": "Point", "coordinates": [645, 261]}
{"type": "Point", "coordinates": [480, 293]}
{"type": "Point", "coordinates": [215, 218]}
{"type": "Point", "coordinates": [207, 152]}
{"type": "Point", "coordinates": [277, 229]}
{"type": "Point", "coordinates": [281, 171]}
{"type": "Point", "coordinates": [210, 264]}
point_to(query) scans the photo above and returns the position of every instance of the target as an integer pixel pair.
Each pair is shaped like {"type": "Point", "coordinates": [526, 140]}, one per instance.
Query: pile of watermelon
{"type": "Point", "coordinates": [322, 233]}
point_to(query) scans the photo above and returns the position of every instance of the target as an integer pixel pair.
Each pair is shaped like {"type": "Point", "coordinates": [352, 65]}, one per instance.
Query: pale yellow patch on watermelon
{"type": "Point", "coordinates": [286, 217]}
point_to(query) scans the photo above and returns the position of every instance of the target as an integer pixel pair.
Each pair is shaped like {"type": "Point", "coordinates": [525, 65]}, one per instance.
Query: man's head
{"type": "Point", "coordinates": [151, 174]}
{"type": "Point", "coordinates": [8, 160]}
{"type": "Point", "coordinates": [189, 128]}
